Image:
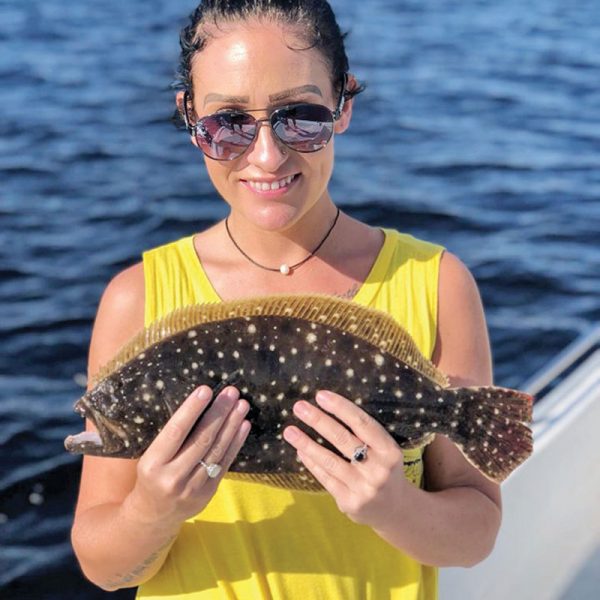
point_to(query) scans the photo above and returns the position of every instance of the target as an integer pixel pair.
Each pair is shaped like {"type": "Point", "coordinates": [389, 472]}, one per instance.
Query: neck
{"type": "Point", "coordinates": [272, 245]}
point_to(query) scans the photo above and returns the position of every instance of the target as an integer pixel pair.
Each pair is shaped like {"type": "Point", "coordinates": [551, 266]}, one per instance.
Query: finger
{"type": "Point", "coordinates": [363, 425]}
{"type": "Point", "coordinates": [228, 457]}
{"type": "Point", "coordinates": [224, 437]}
{"type": "Point", "coordinates": [337, 488]}
{"type": "Point", "coordinates": [203, 435]}
{"type": "Point", "coordinates": [327, 427]}
{"type": "Point", "coordinates": [335, 465]}
{"type": "Point", "coordinates": [173, 434]}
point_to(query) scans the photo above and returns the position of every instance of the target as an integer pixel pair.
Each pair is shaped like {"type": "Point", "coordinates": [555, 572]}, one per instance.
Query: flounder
{"type": "Point", "coordinates": [279, 349]}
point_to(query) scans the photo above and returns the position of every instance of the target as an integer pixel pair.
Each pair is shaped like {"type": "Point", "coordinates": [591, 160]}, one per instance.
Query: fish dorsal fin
{"type": "Point", "coordinates": [371, 325]}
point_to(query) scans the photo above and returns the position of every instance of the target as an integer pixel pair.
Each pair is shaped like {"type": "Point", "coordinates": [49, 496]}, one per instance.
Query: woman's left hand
{"type": "Point", "coordinates": [366, 491]}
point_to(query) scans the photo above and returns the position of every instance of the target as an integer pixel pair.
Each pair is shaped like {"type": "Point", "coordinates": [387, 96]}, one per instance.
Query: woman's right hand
{"type": "Point", "coordinates": [171, 484]}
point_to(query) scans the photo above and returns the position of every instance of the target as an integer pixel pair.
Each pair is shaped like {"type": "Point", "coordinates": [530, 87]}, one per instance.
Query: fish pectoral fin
{"type": "Point", "coordinates": [86, 442]}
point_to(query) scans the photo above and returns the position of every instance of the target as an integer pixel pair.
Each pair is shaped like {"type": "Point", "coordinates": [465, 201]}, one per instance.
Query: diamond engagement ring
{"type": "Point", "coordinates": [212, 469]}
{"type": "Point", "coordinates": [360, 454]}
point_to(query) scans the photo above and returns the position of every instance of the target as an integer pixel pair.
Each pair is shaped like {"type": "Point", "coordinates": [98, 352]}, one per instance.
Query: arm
{"type": "Point", "coordinates": [129, 511]}
{"type": "Point", "coordinates": [454, 522]}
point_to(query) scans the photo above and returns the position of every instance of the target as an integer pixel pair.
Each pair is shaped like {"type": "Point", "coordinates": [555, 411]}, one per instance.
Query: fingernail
{"type": "Point", "coordinates": [290, 434]}
{"type": "Point", "coordinates": [242, 406]}
{"type": "Point", "coordinates": [301, 409]}
{"type": "Point", "coordinates": [232, 393]}
{"type": "Point", "coordinates": [203, 392]}
{"type": "Point", "coordinates": [323, 397]}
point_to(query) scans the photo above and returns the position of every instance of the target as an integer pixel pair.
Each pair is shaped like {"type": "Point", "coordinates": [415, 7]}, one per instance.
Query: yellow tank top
{"type": "Point", "coordinates": [257, 542]}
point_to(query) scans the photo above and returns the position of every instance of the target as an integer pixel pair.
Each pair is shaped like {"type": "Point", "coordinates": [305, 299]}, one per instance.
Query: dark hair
{"type": "Point", "coordinates": [312, 20]}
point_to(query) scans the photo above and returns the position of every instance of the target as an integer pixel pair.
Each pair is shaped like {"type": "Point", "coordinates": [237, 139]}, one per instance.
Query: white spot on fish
{"type": "Point", "coordinates": [236, 354]}
{"type": "Point", "coordinates": [349, 372]}
{"type": "Point", "coordinates": [142, 355]}
{"type": "Point", "coordinates": [304, 389]}
{"type": "Point", "coordinates": [379, 360]}
{"type": "Point", "coordinates": [160, 384]}
{"type": "Point", "coordinates": [256, 346]}
{"type": "Point", "coordinates": [200, 351]}
{"type": "Point", "coordinates": [211, 373]}
{"type": "Point", "coordinates": [398, 393]}
{"type": "Point", "coordinates": [311, 338]}
{"type": "Point", "coordinates": [186, 371]}
{"type": "Point", "coordinates": [419, 395]}
{"type": "Point", "coordinates": [308, 365]}
{"type": "Point", "coordinates": [282, 359]}
{"type": "Point", "coordinates": [220, 354]}
{"type": "Point", "coordinates": [294, 378]}
{"type": "Point", "coordinates": [294, 350]}
{"type": "Point", "coordinates": [382, 378]}
{"type": "Point", "coordinates": [252, 328]}
{"type": "Point", "coordinates": [192, 334]}
{"type": "Point", "coordinates": [146, 396]}
{"type": "Point", "coordinates": [417, 424]}
{"type": "Point", "coordinates": [328, 362]}
{"type": "Point", "coordinates": [440, 400]}
{"type": "Point", "coordinates": [284, 413]}
{"type": "Point", "coordinates": [194, 365]}
{"type": "Point", "coordinates": [262, 398]}
{"type": "Point", "coordinates": [280, 397]}
{"type": "Point", "coordinates": [138, 420]}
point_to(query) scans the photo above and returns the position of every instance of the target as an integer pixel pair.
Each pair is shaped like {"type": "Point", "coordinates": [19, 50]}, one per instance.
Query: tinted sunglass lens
{"type": "Point", "coordinates": [304, 127]}
{"type": "Point", "coordinates": [225, 136]}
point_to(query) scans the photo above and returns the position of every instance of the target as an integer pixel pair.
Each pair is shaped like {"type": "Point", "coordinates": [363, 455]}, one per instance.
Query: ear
{"type": "Point", "coordinates": [179, 102]}
{"type": "Point", "coordinates": [344, 121]}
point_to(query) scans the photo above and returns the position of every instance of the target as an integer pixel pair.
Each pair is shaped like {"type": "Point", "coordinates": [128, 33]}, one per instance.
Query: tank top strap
{"type": "Point", "coordinates": [407, 286]}
{"type": "Point", "coordinates": [173, 278]}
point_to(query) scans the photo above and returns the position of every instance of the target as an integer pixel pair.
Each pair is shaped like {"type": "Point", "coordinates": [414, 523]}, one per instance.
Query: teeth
{"type": "Point", "coordinates": [265, 187]}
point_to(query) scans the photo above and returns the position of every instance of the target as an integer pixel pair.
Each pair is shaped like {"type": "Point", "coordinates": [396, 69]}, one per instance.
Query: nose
{"type": "Point", "coordinates": [266, 151]}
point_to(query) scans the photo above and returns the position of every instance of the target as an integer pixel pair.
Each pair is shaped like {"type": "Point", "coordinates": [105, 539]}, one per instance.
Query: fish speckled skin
{"type": "Point", "coordinates": [275, 360]}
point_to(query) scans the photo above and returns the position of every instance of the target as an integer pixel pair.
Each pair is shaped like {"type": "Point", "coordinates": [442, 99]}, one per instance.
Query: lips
{"type": "Point", "coordinates": [273, 187]}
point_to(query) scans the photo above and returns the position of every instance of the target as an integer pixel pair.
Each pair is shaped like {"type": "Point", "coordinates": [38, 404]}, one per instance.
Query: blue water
{"type": "Point", "coordinates": [480, 130]}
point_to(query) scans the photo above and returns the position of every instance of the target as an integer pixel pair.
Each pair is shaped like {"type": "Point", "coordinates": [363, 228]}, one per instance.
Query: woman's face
{"type": "Point", "coordinates": [249, 66]}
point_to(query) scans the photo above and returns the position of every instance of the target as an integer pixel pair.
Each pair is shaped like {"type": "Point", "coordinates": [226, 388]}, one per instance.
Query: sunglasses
{"type": "Point", "coordinates": [227, 134]}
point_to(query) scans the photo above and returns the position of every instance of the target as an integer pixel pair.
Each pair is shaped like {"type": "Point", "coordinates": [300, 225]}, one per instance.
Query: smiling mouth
{"type": "Point", "coordinates": [275, 186]}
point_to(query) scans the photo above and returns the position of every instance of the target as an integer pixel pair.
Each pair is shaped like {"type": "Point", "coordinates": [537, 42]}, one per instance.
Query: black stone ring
{"type": "Point", "coordinates": [360, 454]}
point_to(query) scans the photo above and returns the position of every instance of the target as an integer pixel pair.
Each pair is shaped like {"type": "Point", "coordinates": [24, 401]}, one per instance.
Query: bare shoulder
{"type": "Point", "coordinates": [119, 317]}
{"type": "Point", "coordinates": [462, 348]}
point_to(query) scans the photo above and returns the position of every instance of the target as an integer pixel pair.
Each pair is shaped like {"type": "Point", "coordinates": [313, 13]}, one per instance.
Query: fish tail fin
{"type": "Point", "coordinates": [493, 433]}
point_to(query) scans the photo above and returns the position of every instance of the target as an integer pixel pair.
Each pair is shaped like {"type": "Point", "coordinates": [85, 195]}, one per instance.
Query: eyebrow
{"type": "Point", "coordinates": [303, 89]}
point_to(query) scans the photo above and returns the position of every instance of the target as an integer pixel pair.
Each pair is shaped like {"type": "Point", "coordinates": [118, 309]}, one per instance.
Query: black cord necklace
{"type": "Point", "coordinates": [284, 269]}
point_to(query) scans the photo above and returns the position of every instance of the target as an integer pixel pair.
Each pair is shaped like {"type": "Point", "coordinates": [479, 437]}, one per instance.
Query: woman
{"type": "Point", "coordinates": [266, 89]}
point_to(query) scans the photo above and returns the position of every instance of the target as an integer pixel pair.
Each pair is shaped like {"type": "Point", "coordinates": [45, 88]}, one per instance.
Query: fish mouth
{"type": "Point", "coordinates": [109, 438]}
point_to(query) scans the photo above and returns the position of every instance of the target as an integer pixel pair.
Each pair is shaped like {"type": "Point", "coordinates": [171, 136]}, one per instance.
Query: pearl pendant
{"type": "Point", "coordinates": [284, 269]}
